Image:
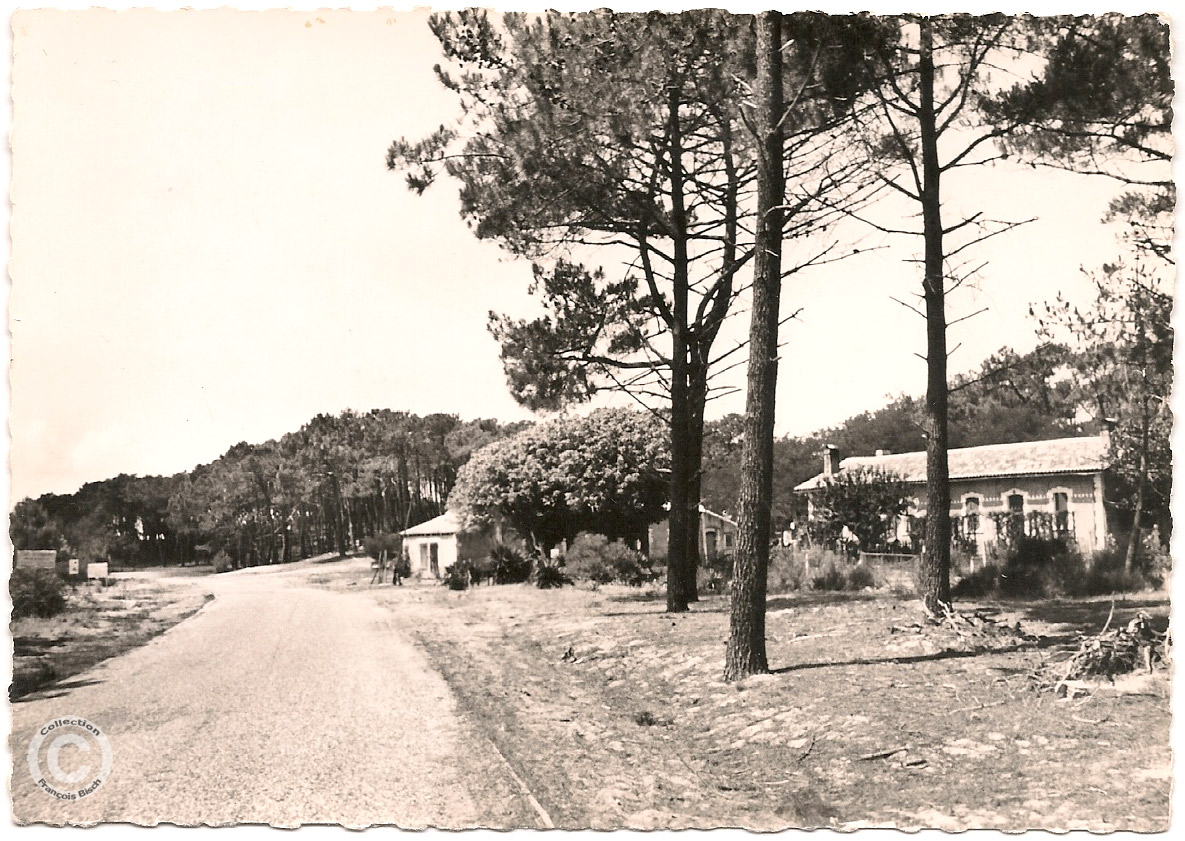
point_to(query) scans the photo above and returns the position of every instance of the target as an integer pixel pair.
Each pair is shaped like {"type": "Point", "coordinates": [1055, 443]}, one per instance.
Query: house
{"type": "Point", "coordinates": [1038, 488]}
{"type": "Point", "coordinates": [432, 547]}
{"type": "Point", "coordinates": [717, 535]}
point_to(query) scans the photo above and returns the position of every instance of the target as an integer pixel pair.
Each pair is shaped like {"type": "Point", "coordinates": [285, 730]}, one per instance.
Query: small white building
{"type": "Point", "coordinates": [432, 547]}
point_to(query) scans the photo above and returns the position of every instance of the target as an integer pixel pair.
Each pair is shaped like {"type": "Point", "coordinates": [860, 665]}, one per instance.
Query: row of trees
{"type": "Point", "coordinates": [689, 146]}
{"type": "Point", "coordinates": [319, 489]}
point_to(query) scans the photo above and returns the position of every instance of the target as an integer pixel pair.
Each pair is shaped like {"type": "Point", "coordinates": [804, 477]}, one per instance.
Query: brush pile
{"type": "Point", "coordinates": [1111, 652]}
{"type": "Point", "coordinates": [959, 631]}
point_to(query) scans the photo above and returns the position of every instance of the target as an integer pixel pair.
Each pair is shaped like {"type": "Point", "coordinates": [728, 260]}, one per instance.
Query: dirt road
{"type": "Point", "coordinates": [277, 703]}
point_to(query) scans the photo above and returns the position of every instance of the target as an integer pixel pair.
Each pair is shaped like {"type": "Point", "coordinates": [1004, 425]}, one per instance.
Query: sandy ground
{"type": "Point", "coordinates": [277, 703]}
{"type": "Point", "coordinates": [100, 621]}
{"type": "Point", "coordinates": [306, 694]}
{"type": "Point", "coordinates": [616, 715]}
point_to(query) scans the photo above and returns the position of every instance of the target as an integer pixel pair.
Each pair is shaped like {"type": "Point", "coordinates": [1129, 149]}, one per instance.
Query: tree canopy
{"type": "Point", "coordinates": [321, 488]}
{"type": "Point", "coordinates": [603, 473]}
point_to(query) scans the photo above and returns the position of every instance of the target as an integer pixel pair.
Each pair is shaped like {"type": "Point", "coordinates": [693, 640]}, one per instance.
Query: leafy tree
{"type": "Point", "coordinates": [866, 501]}
{"type": "Point", "coordinates": [30, 526]}
{"type": "Point", "coordinates": [625, 132]}
{"type": "Point", "coordinates": [1014, 397]}
{"type": "Point", "coordinates": [336, 480]}
{"type": "Point", "coordinates": [1124, 370]}
{"type": "Point", "coordinates": [601, 473]}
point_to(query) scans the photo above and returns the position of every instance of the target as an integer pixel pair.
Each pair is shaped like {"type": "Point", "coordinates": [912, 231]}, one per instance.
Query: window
{"type": "Point", "coordinates": [729, 540]}
{"type": "Point", "coordinates": [971, 515]}
{"type": "Point", "coordinates": [1061, 513]}
{"type": "Point", "coordinates": [1016, 504]}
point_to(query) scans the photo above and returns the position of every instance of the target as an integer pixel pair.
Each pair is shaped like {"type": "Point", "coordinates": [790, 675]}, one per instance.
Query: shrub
{"type": "Point", "coordinates": [222, 561]}
{"type": "Point", "coordinates": [1106, 575]}
{"type": "Point", "coordinates": [378, 545]}
{"type": "Point", "coordinates": [456, 577]}
{"type": "Point", "coordinates": [787, 570]}
{"type": "Point", "coordinates": [830, 578]}
{"type": "Point", "coordinates": [1037, 568]}
{"type": "Point", "coordinates": [549, 577]}
{"type": "Point", "coordinates": [985, 581]}
{"type": "Point", "coordinates": [592, 557]}
{"type": "Point", "coordinates": [36, 592]}
{"type": "Point", "coordinates": [860, 577]}
{"type": "Point", "coordinates": [510, 566]}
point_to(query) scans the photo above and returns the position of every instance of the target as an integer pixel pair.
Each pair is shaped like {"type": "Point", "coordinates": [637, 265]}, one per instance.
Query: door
{"type": "Point", "coordinates": [1016, 518]}
{"type": "Point", "coordinates": [435, 562]}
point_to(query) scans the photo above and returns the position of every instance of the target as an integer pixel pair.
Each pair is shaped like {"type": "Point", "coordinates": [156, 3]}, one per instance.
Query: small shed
{"type": "Point", "coordinates": [436, 545]}
{"type": "Point", "coordinates": [432, 547]}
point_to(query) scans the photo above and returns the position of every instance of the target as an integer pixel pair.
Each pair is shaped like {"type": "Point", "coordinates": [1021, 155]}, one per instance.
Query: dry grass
{"type": "Point", "coordinates": [99, 622]}
{"type": "Point", "coordinates": [615, 713]}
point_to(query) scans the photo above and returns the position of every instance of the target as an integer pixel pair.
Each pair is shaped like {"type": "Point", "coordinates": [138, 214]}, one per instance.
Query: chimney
{"type": "Point", "coordinates": [1109, 425]}
{"type": "Point", "coordinates": [830, 460]}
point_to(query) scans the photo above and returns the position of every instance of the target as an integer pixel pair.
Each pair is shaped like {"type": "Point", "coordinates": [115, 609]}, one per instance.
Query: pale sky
{"type": "Point", "coordinates": [207, 248]}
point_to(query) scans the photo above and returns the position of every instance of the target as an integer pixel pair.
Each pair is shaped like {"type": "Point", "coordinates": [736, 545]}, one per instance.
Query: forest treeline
{"type": "Point", "coordinates": [339, 479]}
{"type": "Point", "coordinates": [319, 489]}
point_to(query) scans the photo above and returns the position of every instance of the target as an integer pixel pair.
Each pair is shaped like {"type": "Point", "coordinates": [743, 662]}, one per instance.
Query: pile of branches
{"type": "Point", "coordinates": [969, 631]}
{"type": "Point", "coordinates": [1111, 652]}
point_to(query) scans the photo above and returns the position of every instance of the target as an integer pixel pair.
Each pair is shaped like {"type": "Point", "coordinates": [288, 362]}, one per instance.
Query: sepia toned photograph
{"type": "Point", "coordinates": [635, 419]}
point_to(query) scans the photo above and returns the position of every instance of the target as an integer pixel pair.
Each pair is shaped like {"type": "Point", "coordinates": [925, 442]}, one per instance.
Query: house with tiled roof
{"type": "Point", "coordinates": [1056, 486]}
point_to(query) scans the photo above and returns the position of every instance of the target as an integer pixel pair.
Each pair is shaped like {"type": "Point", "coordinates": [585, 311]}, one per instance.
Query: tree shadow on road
{"type": "Point", "coordinates": [19, 695]}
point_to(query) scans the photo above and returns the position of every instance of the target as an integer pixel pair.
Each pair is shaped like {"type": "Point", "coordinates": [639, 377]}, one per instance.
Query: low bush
{"type": "Point", "coordinates": [985, 581]}
{"type": "Point", "coordinates": [509, 565]}
{"type": "Point", "coordinates": [860, 577]}
{"type": "Point", "coordinates": [36, 592]}
{"type": "Point", "coordinates": [593, 557]}
{"type": "Point", "coordinates": [1105, 575]}
{"type": "Point", "coordinates": [222, 562]}
{"type": "Point", "coordinates": [1039, 568]}
{"type": "Point", "coordinates": [793, 570]}
{"type": "Point", "coordinates": [830, 578]}
{"type": "Point", "coordinates": [456, 577]}
{"type": "Point", "coordinates": [840, 575]}
{"type": "Point", "coordinates": [549, 577]}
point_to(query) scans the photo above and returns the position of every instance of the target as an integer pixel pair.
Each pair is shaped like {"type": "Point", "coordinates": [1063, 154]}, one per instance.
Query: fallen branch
{"type": "Point", "coordinates": [883, 754]}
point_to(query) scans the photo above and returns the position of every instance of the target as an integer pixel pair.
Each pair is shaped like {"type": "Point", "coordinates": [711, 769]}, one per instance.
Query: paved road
{"type": "Point", "coordinates": [277, 703]}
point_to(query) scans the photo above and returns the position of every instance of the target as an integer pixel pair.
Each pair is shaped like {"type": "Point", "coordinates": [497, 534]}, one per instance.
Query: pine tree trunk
{"type": "Point", "coordinates": [934, 571]}
{"type": "Point", "coordinates": [746, 654]}
{"type": "Point", "coordinates": [1133, 541]}
{"type": "Point", "coordinates": [679, 545]}
{"type": "Point", "coordinates": [698, 378]}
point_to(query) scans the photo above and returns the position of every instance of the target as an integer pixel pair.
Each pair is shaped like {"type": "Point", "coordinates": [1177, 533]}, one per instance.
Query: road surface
{"type": "Point", "coordinates": [277, 703]}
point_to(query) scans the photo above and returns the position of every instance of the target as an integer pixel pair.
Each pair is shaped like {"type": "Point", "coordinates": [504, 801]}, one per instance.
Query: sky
{"type": "Point", "coordinates": [207, 248]}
